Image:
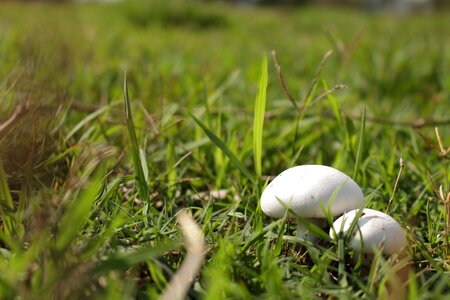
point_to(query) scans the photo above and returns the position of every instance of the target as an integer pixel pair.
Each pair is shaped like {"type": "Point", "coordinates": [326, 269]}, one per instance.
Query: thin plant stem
{"type": "Point", "coordinates": [394, 192]}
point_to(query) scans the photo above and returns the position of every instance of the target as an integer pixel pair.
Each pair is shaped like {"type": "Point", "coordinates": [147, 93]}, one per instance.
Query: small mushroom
{"type": "Point", "coordinates": [374, 230]}
{"type": "Point", "coordinates": [307, 189]}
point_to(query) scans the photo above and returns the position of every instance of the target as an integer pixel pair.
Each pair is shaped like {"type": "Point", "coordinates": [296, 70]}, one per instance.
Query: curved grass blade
{"type": "Point", "coordinates": [88, 119]}
{"type": "Point", "coordinates": [333, 103]}
{"type": "Point", "coordinates": [221, 144]}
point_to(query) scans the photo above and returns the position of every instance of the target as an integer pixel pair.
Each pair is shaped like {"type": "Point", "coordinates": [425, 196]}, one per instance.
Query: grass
{"type": "Point", "coordinates": [92, 178]}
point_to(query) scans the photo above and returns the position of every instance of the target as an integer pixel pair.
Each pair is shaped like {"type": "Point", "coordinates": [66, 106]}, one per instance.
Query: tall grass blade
{"type": "Point", "coordinates": [221, 144]}
{"type": "Point", "coordinates": [134, 147]}
{"type": "Point", "coordinates": [360, 143]}
{"type": "Point", "coordinates": [258, 120]}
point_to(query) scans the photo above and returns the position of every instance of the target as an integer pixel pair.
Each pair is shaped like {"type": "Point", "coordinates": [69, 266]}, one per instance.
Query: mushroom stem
{"type": "Point", "coordinates": [304, 233]}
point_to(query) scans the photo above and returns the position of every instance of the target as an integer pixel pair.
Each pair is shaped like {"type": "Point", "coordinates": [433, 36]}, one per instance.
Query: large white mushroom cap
{"type": "Point", "coordinates": [304, 188]}
{"type": "Point", "coordinates": [376, 229]}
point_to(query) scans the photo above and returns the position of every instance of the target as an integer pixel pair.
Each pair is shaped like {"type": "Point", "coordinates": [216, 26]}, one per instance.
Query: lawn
{"type": "Point", "coordinates": [140, 116]}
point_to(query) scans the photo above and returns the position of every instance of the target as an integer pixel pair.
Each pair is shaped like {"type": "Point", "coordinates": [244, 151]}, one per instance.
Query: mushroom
{"type": "Point", "coordinates": [306, 190]}
{"type": "Point", "coordinates": [374, 230]}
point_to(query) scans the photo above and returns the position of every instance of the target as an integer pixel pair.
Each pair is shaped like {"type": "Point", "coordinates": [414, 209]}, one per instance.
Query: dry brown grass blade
{"type": "Point", "coordinates": [283, 81]}
{"type": "Point", "coordinates": [445, 198]}
{"type": "Point", "coordinates": [150, 119]}
{"type": "Point", "coordinates": [325, 94]}
{"type": "Point", "coordinates": [20, 112]}
{"type": "Point", "coordinates": [325, 58]}
{"type": "Point", "coordinates": [195, 245]}
{"type": "Point", "coordinates": [397, 181]}
{"type": "Point", "coordinates": [442, 151]}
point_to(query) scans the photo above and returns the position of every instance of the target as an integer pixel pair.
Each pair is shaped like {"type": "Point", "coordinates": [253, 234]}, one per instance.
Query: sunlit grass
{"type": "Point", "coordinates": [92, 178]}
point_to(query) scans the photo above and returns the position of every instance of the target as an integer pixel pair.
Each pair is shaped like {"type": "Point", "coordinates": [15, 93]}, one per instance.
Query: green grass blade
{"type": "Point", "coordinates": [58, 156]}
{"type": "Point", "coordinates": [6, 203]}
{"type": "Point", "coordinates": [221, 144]}
{"type": "Point", "coordinates": [413, 292]}
{"type": "Point", "coordinates": [134, 147]}
{"type": "Point", "coordinates": [171, 167]}
{"type": "Point", "coordinates": [88, 119]}
{"type": "Point", "coordinates": [76, 214]}
{"type": "Point", "coordinates": [258, 120]}
{"type": "Point", "coordinates": [341, 255]}
{"type": "Point", "coordinates": [121, 261]}
{"type": "Point", "coordinates": [333, 103]}
{"type": "Point", "coordinates": [360, 143]}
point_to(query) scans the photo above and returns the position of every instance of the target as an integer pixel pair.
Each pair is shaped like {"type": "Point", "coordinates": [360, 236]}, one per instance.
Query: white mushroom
{"type": "Point", "coordinates": [374, 230]}
{"type": "Point", "coordinates": [306, 189]}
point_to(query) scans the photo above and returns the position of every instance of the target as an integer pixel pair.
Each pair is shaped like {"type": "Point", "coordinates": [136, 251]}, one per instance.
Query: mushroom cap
{"type": "Point", "coordinates": [305, 188]}
{"type": "Point", "coordinates": [377, 229]}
